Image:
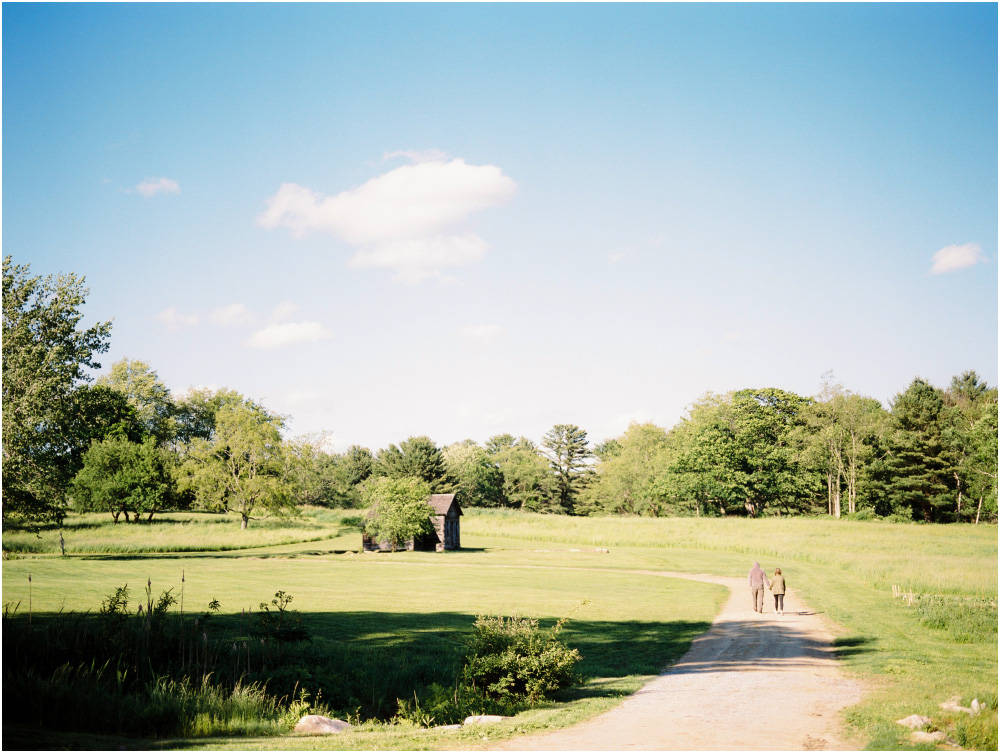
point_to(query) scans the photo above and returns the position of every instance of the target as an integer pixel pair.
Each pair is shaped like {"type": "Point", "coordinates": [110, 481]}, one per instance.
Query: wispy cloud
{"type": "Point", "coordinates": [951, 258]}
{"type": "Point", "coordinates": [284, 311]}
{"type": "Point", "coordinates": [175, 320]}
{"type": "Point", "coordinates": [481, 331]}
{"type": "Point", "coordinates": [416, 155]}
{"type": "Point", "coordinates": [416, 259]}
{"type": "Point", "coordinates": [233, 315]}
{"type": "Point", "coordinates": [292, 333]}
{"type": "Point", "coordinates": [402, 220]}
{"type": "Point", "coordinates": [152, 186]}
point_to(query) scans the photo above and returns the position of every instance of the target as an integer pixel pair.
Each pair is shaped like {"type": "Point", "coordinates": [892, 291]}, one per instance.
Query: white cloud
{"type": "Point", "coordinates": [153, 186]}
{"type": "Point", "coordinates": [233, 315]}
{"type": "Point", "coordinates": [175, 320]}
{"type": "Point", "coordinates": [950, 258]}
{"type": "Point", "coordinates": [280, 335]}
{"type": "Point", "coordinates": [481, 331]}
{"type": "Point", "coordinates": [410, 201]}
{"type": "Point", "coordinates": [400, 220]}
{"type": "Point", "coordinates": [416, 259]}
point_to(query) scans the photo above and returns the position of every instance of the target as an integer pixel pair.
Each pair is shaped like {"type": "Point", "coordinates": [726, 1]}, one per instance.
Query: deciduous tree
{"type": "Point", "coordinates": [477, 479]}
{"type": "Point", "coordinates": [242, 467]}
{"type": "Point", "coordinates": [122, 477]}
{"type": "Point", "coordinates": [528, 482]}
{"type": "Point", "coordinates": [145, 392]}
{"type": "Point", "coordinates": [46, 355]}
{"type": "Point", "coordinates": [397, 509]}
{"type": "Point", "coordinates": [630, 477]}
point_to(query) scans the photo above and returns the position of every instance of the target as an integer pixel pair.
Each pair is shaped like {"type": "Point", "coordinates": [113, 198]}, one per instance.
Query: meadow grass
{"type": "Point", "coordinates": [938, 559]}
{"type": "Point", "coordinates": [382, 607]}
{"type": "Point", "coordinates": [96, 533]}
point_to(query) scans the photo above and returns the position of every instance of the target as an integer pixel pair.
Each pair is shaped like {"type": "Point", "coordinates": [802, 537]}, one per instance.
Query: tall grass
{"type": "Point", "coordinates": [939, 559]}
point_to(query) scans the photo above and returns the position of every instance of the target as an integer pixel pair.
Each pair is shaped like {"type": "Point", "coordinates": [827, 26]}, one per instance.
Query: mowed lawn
{"type": "Point", "coordinates": [632, 623]}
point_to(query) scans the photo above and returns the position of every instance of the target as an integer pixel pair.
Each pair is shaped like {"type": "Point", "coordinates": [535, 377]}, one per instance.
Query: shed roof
{"type": "Point", "coordinates": [441, 503]}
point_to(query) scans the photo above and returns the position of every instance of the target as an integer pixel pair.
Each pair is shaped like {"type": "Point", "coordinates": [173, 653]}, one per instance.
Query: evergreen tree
{"type": "Point", "coordinates": [566, 449]}
{"type": "Point", "coordinates": [416, 457]}
{"type": "Point", "coordinates": [917, 467]}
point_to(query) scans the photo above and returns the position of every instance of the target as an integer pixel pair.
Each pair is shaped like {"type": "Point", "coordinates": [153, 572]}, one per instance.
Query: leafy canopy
{"type": "Point", "coordinates": [45, 357]}
{"type": "Point", "coordinates": [397, 509]}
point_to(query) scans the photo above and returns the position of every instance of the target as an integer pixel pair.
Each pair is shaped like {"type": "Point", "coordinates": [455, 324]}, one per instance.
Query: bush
{"type": "Point", "coordinates": [512, 662]}
{"type": "Point", "coordinates": [865, 513]}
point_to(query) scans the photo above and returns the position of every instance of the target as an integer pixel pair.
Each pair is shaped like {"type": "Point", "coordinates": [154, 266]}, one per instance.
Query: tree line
{"type": "Point", "coordinates": [126, 446]}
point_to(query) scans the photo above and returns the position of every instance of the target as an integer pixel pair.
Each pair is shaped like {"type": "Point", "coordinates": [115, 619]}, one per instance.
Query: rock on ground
{"type": "Point", "coordinates": [320, 725]}
{"type": "Point", "coordinates": [914, 720]}
{"type": "Point", "coordinates": [929, 737]}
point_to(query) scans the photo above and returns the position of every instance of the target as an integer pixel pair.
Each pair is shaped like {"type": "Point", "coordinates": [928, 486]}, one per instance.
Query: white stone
{"type": "Point", "coordinates": [314, 724]}
{"type": "Point", "coordinates": [914, 721]}
{"type": "Point", "coordinates": [928, 737]}
{"type": "Point", "coordinates": [952, 705]}
{"type": "Point", "coordinates": [484, 719]}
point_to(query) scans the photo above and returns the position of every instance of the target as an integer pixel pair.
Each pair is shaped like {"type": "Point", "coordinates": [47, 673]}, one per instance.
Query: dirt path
{"type": "Point", "coordinates": [752, 682]}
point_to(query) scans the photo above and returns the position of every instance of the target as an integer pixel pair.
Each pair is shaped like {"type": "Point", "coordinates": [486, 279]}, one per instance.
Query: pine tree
{"type": "Point", "coordinates": [917, 466]}
{"type": "Point", "coordinates": [566, 449]}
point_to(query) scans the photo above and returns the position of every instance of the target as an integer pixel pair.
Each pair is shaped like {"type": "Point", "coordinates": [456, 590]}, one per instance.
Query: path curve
{"type": "Point", "coordinates": [752, 682]}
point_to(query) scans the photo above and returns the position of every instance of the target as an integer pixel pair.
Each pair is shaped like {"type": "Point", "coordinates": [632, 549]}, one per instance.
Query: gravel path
{"type": "Point", "coordinates": [752, 682]}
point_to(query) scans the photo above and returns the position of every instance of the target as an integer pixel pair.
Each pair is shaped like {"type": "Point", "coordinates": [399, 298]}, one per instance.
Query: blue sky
{"type": "Point", "coordinates": [459, 220]}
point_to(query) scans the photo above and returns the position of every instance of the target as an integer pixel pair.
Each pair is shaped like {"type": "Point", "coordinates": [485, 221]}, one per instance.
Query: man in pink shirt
{"type": "Point", "coordinates": [758, 579]}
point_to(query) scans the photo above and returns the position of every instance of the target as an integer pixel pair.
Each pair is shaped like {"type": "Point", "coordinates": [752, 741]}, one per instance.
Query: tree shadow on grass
{"type": "Point", "coordinates": [853, 646]}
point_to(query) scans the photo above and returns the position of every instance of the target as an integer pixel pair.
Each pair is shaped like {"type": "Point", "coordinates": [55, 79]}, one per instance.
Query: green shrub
{"type": "Point", "coordinates": [511, 661]}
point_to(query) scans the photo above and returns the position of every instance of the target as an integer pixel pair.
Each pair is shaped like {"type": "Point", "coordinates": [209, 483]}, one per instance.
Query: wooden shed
{"type": "Point", "coordinates": [446, 534]}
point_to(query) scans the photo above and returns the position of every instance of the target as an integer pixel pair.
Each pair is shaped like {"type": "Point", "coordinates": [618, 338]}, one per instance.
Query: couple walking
{"type": "Point", "coordinates": [758, 579]}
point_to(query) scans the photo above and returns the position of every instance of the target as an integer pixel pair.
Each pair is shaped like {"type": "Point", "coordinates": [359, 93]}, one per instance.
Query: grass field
{"type": "Point", "coordinates": [391, 609]}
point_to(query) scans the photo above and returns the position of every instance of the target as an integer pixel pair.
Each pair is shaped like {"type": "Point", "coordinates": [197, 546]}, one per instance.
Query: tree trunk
{"type": "Point", "coordinates": [115, 516]}
{"type": "Point", "coordinates": [244, 521]}
{"type": "Point", "coordinates": [958, 508]}
{"type": "Point", "coordinates": [978, 510]}
{"type": "Point", "coordinates": [125, 513]}
{"type": "Point", "coordinates": [836, 497]}
{"type": "Point", "coordinates": [829, 493]}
